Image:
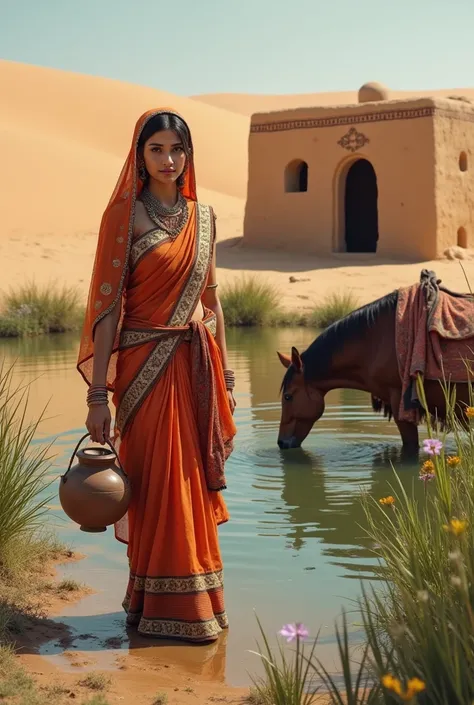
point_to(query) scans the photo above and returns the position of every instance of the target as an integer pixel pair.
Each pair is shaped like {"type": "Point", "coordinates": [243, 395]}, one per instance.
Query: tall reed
{"type": "Point", "coordinates": [24, 467]}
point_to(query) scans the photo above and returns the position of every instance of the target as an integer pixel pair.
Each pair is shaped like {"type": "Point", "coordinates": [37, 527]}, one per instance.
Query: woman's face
{"type": "Point", "coordinates": [164, 156]}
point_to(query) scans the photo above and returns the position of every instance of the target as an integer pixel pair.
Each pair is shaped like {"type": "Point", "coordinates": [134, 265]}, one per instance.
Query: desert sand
{"type": "Point", "coordinates": [63, 140]}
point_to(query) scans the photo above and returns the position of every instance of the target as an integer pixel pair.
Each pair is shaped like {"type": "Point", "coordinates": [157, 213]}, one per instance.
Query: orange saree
{"type": "Point", "coordinates": [173, 423]}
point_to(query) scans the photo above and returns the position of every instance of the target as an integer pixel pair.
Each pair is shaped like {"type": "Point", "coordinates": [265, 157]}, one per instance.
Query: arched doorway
{"type": "Point", "coordinates": [360, 208]}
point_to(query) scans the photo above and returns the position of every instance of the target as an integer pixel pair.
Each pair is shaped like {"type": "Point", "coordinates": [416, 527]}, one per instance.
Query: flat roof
{"type": "Point", "coordinates": [359, 113]}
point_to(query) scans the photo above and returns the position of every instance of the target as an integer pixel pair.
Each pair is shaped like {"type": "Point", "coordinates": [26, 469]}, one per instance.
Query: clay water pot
{"type": "Point", "coordinates": [95, 493]}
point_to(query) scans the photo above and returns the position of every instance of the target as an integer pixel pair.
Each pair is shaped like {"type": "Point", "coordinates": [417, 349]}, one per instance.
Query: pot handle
{"type": "Point", "coordinates": [87, 435]}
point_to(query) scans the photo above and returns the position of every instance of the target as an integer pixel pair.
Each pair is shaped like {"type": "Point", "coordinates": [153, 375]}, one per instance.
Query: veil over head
{"type": "Point", "coordinates": [110, 271]}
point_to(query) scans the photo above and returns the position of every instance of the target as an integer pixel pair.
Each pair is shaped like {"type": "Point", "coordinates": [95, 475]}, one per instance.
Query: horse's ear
{"type": "Point", "coordinates": [296, 360]}
{"type": "Point", "coordinates": [284, 359]}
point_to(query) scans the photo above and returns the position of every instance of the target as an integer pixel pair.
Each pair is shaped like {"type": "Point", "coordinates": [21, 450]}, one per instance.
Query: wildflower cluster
{"type": "Point", "coordinates": [418, 619]}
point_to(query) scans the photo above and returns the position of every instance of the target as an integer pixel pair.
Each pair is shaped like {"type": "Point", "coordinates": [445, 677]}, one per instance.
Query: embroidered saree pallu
{"type": "Point", "coordinates": [174, 430]}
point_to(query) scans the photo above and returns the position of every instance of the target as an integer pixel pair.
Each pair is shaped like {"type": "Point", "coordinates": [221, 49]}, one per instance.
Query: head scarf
{"type": "Point", "coordinates": [110, 272]}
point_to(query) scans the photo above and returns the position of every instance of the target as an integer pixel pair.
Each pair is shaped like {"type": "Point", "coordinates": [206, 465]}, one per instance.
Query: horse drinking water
{"type": "Point", "coordinates": [376, 349]}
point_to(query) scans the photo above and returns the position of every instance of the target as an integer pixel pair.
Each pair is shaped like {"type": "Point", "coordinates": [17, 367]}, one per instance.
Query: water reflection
{"type": "Point", "coordinates": [295, 535]}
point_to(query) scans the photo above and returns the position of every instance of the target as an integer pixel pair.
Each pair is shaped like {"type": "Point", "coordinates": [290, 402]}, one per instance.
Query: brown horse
{"type": "Point", "coordinates": [357, 352]}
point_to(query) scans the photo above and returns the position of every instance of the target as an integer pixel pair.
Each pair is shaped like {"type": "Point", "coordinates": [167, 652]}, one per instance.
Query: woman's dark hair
{"type": "Point", "coordinates": [167, 121]}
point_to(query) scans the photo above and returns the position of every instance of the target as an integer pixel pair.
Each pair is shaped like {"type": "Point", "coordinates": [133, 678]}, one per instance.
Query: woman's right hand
{"type": "Point", "coordinates": [98, 423]}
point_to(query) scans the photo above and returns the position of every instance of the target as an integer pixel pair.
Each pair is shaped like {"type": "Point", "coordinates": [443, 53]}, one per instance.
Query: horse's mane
{"type": "Point", "coordinates": [317, 357]}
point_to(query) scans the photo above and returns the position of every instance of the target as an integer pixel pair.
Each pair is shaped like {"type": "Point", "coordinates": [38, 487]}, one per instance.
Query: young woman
{"type": "Point", "coordinates": [154, 336]}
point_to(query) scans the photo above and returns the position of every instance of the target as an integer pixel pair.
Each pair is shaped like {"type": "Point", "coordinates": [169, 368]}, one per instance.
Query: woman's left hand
{"type": "Point", "coordinates": [230, 397]}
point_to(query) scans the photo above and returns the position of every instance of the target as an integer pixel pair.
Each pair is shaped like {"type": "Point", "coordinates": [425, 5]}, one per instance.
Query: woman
{"type": "Point", "coordinates": [154, 335]}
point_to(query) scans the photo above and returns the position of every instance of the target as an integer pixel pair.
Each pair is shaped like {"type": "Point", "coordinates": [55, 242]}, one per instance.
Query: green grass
{"type": "Point", "coordinates": [27, 549]}
{"type": "Point", "coordinates": [23, 582]}
{"type": "Point", "coordinates": [251, 302]}
{"type": "Point", "coordinates": [19, 688]}
{"type": "Point", "coordinates": [24, 467]}
{"type": "Point", "coordinates": [333, 308]}
{"type": "Point", "coordinates": [31, 310]}
{"type": "Point", "coordinates": [26, 546]}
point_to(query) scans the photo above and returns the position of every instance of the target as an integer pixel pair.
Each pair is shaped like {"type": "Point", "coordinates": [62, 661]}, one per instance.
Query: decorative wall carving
{"type": "Point", "coordinates": [353, 140]}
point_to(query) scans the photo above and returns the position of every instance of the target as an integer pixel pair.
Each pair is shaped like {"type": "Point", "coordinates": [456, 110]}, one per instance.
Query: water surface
{"type": "Point", "coordinates": [294, 549]}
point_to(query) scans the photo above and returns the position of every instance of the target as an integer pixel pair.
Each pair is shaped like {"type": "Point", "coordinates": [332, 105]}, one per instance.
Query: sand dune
{"type": "Point", "coordinates": [246, 104]}
{"type": "Point", "coordinates": [63, 140]}
{"type": "Point", "coordinates": [100, 114]}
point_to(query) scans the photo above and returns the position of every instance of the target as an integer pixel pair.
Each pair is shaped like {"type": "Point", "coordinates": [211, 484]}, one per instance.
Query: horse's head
{"type": "Point", "coordinates": [301, 404]}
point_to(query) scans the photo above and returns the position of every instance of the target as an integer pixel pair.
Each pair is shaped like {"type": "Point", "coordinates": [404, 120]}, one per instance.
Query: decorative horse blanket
{"type": "Point", "coordinates": [434, 337]}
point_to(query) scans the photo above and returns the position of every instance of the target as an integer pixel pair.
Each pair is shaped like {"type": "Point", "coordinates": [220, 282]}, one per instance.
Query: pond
{"type": "Point", "coordinates": [294, 549]}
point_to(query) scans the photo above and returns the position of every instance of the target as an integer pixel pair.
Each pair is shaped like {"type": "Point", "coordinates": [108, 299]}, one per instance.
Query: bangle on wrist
{"type": "Point", "coordinates": [229, 378]}
{"type": "Point", "coordinates": [97, 395]}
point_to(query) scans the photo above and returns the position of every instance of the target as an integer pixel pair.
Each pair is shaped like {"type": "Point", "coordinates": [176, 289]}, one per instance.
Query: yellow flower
{"type": "Point", "coordinates": [427, 467]}
{"type": "Point", "coordinates": [391, 683]}
{"type": "Point", "coordinates": [470, 412]}
{"type": "Point", "coordinates": [414, 686]}
{"type": "Point", "coordinates": [456, 527]}
{"type": "Point", "coordinates": [387, 501]}
{"type": "Point", "coordinates": [453, 461]}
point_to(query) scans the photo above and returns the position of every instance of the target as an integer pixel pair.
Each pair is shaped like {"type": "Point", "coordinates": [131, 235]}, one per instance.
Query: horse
{"type": "Point", "coordinates": [357, 352]}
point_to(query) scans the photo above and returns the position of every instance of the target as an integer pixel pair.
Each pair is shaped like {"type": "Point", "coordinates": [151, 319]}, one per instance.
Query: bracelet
{"type": "Point", "coordinates": [229, 378]}
{"type": "Point", "coordinates": [97, 395]}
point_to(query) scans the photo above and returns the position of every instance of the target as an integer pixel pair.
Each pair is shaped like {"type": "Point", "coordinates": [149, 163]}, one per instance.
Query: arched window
{"type": "Point", "coordinates": [296, 176]}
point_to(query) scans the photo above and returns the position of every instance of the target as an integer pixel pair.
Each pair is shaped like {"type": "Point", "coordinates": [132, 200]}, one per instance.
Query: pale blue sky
{"type": "Point", "coordinates": [248, 46]}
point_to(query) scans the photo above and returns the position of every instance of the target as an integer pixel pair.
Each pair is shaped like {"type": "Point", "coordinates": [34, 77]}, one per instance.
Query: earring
{"type": "Point", "coordinates": [142, 172]}
{"type": "Point", "coordinates": [181, 179]}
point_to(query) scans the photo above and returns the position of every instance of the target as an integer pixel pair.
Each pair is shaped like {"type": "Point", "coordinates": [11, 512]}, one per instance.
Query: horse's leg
{"type": "Point", "coordinates": [408, 431]}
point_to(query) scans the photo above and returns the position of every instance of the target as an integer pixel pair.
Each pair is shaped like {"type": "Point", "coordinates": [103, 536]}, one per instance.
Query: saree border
{"type": "Point", "coordinates": [156, 363]}
{"type": "Point", "coordinates": [178, 628]}
{"type": "Point", "coordinates": [131, 337]}
{"type": "Point", "coordinates": [191, 292]}
{"type": "Point", "coordinates": [190, 584]}
{"type": "Point", "coordinates": [146, 378]}
{"type": "Point", "coordinates": [145, 244]}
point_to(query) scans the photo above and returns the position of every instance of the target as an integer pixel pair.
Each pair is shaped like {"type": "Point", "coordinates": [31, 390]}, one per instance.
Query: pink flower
{"type": "Point", "coordinates": [293, 631]}
{"type": "Point", "coordinates": [432, 446]}
{"type": "Point", "coordinates": [427, 476]}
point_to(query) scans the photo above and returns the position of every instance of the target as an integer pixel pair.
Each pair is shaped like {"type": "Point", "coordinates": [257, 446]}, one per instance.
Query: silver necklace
{"type": "Point", "coordinates": [173, 219]}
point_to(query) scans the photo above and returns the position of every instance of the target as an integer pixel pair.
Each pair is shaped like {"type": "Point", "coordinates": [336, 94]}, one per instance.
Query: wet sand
{"type": "Point", "coordinates": [131, 677]}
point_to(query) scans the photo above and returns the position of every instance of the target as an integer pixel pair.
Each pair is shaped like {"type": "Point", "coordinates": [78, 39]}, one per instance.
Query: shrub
{"type": "Point", "coordinates": [96, 681]}
{"type": "Point", "coordinates": [31, 310]}
{"type": "Point", "coordinates": [249, 302]}
{"type": "Point", "coordinates": [333, 308]}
